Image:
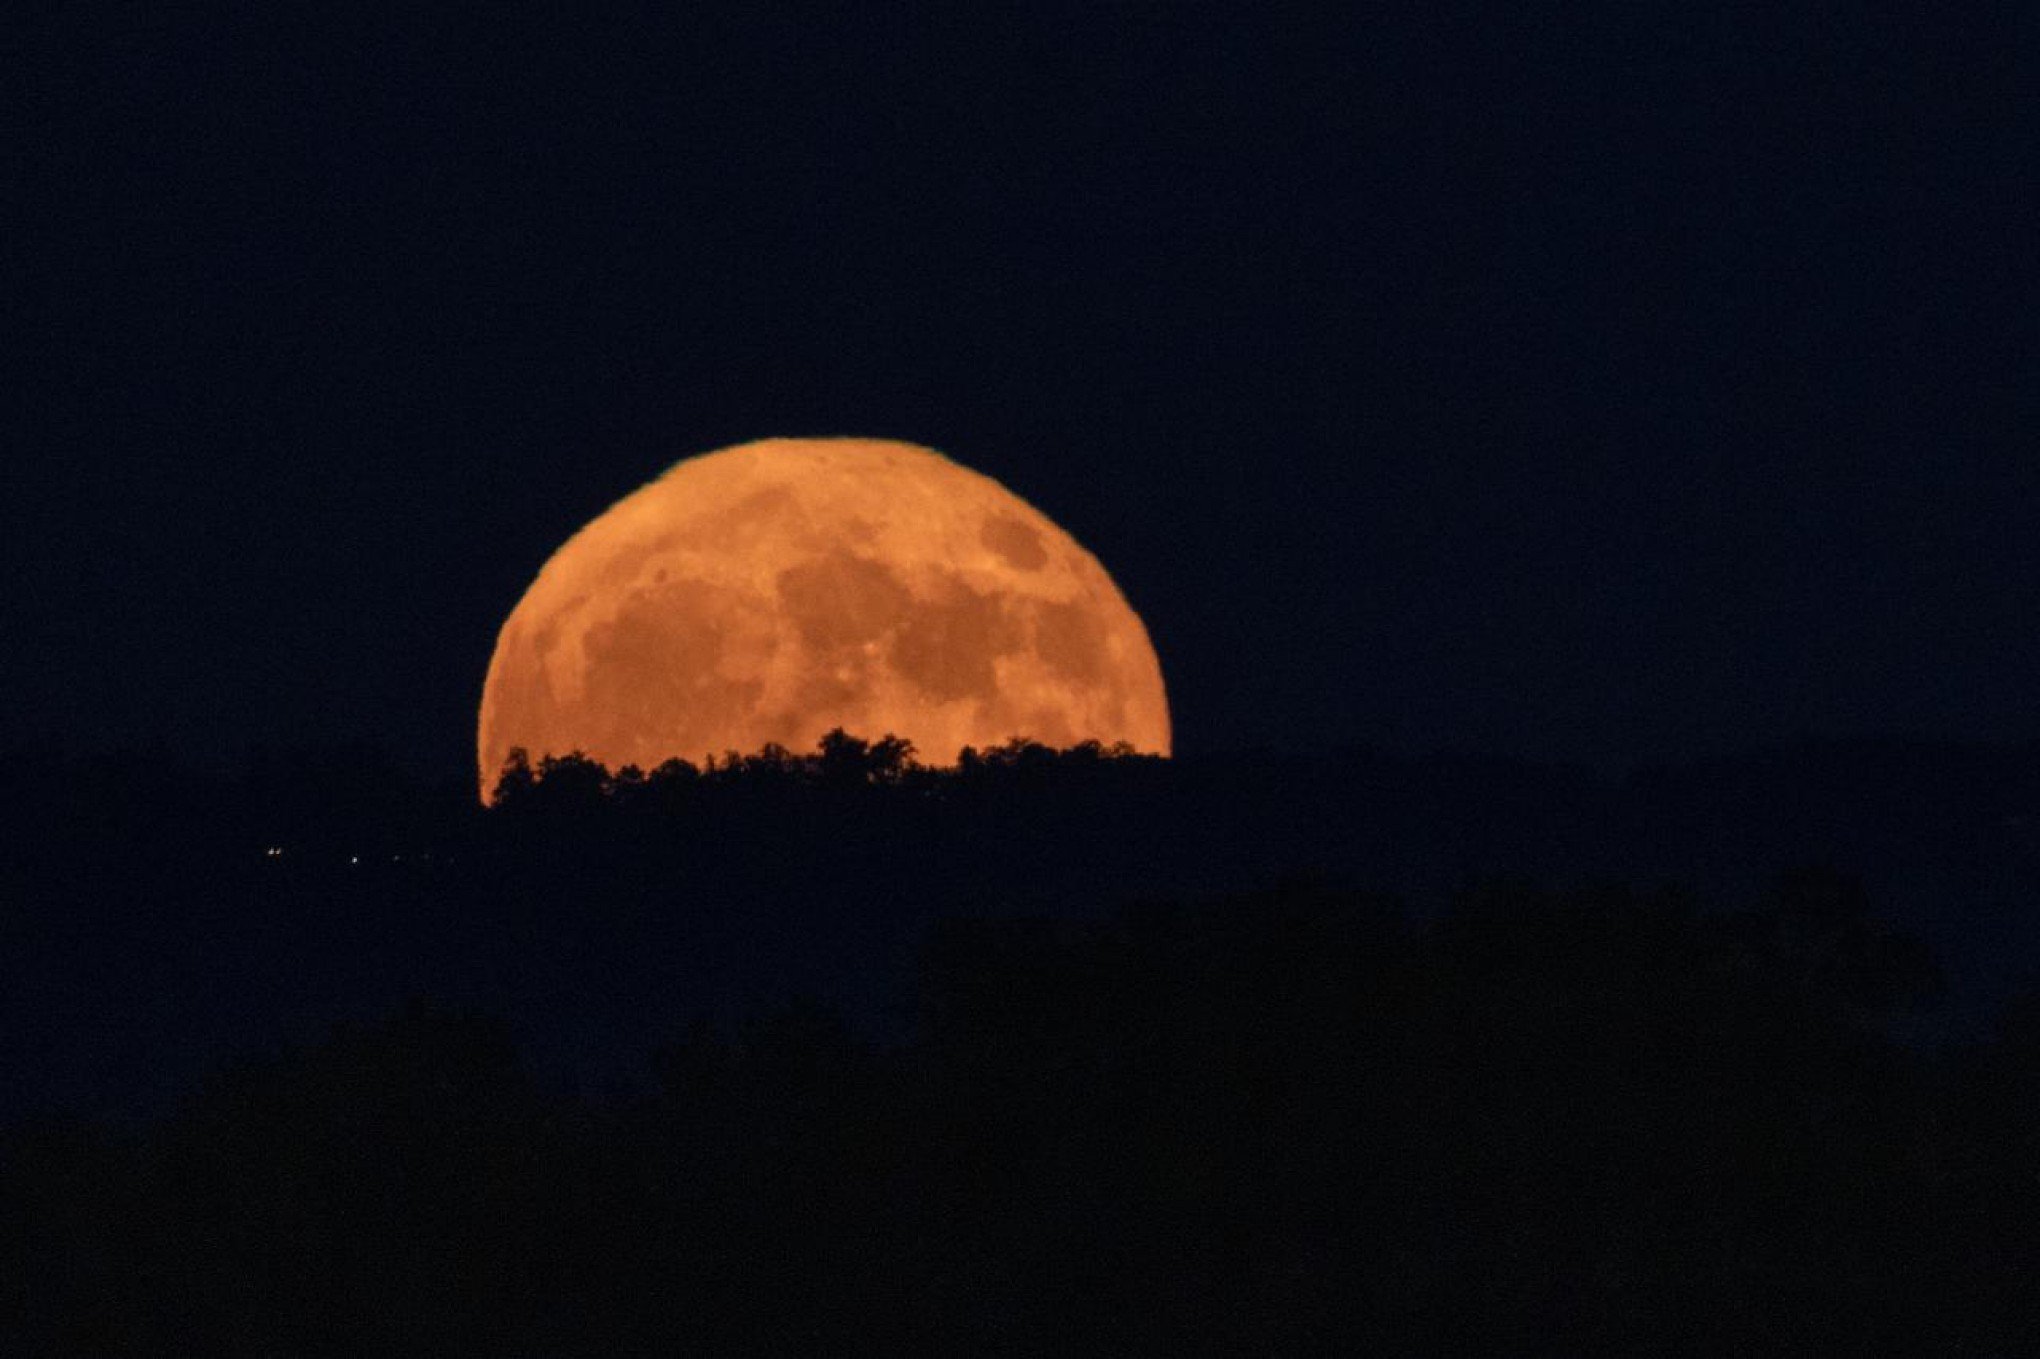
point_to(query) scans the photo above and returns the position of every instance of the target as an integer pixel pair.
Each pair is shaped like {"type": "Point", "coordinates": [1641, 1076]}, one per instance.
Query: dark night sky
{"type": "Point", "coordinates": [1601, 383]}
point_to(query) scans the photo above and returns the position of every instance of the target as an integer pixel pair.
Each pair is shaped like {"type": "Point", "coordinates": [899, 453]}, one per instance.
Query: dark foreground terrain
{"type": "Point", "coordinates": [1059, 1052]}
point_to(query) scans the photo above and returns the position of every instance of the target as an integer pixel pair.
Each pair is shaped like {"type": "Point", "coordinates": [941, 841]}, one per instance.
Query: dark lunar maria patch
{"type": "Point", "coordinates": [947, 645]}
{"type": "Point", "coordinates": [1071, 641]}
{"type": "Point", "coordinates": [1016, 543]}
{"type": "Point", "coordinates": [840, 600]}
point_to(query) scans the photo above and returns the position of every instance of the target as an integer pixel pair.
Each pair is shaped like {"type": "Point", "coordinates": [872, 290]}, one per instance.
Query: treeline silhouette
{"type": "Point", "coordinates": [1049, 1051]}
{"type": "Point", "coordinates": [1281, 1122]}
{"type": "Point", "coordinates": [558, 789]}
{"type": "Point", "coordinates": [839, 761]}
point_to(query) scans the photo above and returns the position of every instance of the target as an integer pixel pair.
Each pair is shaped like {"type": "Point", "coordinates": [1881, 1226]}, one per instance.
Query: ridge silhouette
{"type": "Point", "coordinates": [1050, 1049]}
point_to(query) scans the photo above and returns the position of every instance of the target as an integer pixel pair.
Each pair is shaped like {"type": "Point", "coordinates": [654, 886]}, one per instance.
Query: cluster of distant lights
{"type": "Point", "coordinates": [278, 851]}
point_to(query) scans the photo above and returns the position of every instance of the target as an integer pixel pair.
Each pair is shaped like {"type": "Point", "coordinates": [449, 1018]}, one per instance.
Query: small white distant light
{"type": "Point", "coordinates": [355, 860]}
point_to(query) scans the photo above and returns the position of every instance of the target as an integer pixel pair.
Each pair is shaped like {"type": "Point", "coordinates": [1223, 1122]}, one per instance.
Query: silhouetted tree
{"type": "Point", "coordinates": [516, 784]}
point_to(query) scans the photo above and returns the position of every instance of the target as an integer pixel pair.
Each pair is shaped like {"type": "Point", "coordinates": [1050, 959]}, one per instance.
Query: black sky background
{"type": "Point", "coordinates": [1609, 384]}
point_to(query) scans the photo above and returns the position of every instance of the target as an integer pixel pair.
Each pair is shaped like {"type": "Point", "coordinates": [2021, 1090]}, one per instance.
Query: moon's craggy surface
{"type": "Point", "coordinates": [772, 591]}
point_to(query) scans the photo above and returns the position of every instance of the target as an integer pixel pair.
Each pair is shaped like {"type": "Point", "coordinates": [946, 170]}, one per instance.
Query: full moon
{"type": "Point", "coordinates": [775, 590]}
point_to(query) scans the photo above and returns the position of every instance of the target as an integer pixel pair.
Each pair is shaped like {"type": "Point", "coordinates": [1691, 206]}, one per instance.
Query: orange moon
{"type": "Point", "coordinates": [772, 591]}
